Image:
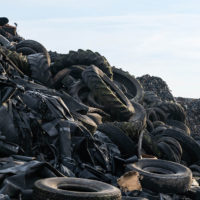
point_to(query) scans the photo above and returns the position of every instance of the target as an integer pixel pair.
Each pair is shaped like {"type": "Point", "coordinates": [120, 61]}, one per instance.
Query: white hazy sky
{"type": "Point", "coordinates": [156, 37]}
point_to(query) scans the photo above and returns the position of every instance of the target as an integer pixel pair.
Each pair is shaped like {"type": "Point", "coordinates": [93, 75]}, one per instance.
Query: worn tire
{"type": "Point", "coordinates": [108, 94]}
{"type": "Point", "coordinates": [36, 46]}
{"type": "Point", "coordinates": [188, 144]}
{"type": "Point", "coordinates": [171, 149]}
{"type": "Point", "coordinates": [74, 189]}
{"type": "Point", "coordinates": [177, 124]}
{"type": "Point", "coordinates": [126, 146]}
{"type": "Point", "coordinates": [134, 198]}
{"type": "Point", "coordinates": [163, 176]}
{"type": "Point", "coordinates": [135, 91]}
{"type": "Point", "coordinates": [39, 69]}
{"type": "Point", "coordinates": [173, 111]}
{"type": "Point", "coordinates": [82, 57]}
{"type": "Point", "coordinates": [26, 51]}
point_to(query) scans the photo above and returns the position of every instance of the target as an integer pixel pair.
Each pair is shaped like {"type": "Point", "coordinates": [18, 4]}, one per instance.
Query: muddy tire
{"type": "Point", "coordinates": [108, 94]}
{"type": "Point", "coordinates": [134, 89]}
{"type": "Point", "coordinates": [74, 189]}
{"type": "Point", "coordinates": [163, 176]}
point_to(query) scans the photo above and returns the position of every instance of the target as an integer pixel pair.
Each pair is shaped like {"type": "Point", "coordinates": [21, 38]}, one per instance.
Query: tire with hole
{"type": "Point", "coordinates": [36, 46]}
{"type": "Point", "coordinates": [135, 91]}
{"type": "Point", "coordinates": [163, 176]}
{"type": "Point", "coordinates": [82, 57]}
{"type": "Point", "coordinates": [108, 94]}
{"type": "Point", "coordinates": [74, 189]}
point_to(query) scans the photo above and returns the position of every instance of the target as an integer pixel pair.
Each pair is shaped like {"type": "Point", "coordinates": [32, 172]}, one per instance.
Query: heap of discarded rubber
{"type": "Point", "coordinates": [69, 122]}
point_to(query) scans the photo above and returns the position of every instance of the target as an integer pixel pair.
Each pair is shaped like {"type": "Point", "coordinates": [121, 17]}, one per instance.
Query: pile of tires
{"type": "Point", "coordinates": [90, 120]}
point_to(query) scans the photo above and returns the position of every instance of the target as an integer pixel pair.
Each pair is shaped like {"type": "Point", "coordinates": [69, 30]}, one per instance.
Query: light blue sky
{"type": "Point", "coordinates": [156, 37]}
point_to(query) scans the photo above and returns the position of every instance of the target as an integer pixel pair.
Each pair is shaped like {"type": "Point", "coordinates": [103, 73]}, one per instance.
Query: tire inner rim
{"type": "Point", "coordinates": [76, 188]}
{"type": "Point", "coordinates": [157, 170]}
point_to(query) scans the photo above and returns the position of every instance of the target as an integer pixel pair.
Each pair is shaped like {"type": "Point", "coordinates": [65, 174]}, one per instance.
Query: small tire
{"type": "Point", "coordinates": [163, 176]}
{"type": "Point", "coordinates": [74, 189]}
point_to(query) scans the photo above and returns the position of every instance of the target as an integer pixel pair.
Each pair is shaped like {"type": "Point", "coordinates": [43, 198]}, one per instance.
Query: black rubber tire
{"type": "Point", "coordinates": [74, 189]}
{"type": "Point", "coordinates": [178, 124]}
{"type": "Point", "coordinates": [40, 69]}
{"type": "Point", "coordinates": [158, 130]}
{"type": "Point", "coordinates": [79, 91]}
{"type": "Point", "coordinates": [82, 57]}
{"type": "Point", "coordinates": [150, 99]}
{"type": "Point", "coordinates": [173, 111]}
{"type": "Point", "coordinates": [108, 94]}
{"type": "Point", "coordinates": [92, 101]}
{"type": "Point", "coordinates": [4, 42]}
{"type": "Point", "coordinates": [171, 149]}
{"type": "Point", "coordinates": [158, 123]}
{"type": "Point", "coordinates": [188, 144]}
{"type": "Point", "coordinates": [163, 176]}
{"type": "Point", "coordinates": [134, 88]}
{"type": "Point", "coordinates": [36, 46]}
{"type": "Point", "coordinates": [97, 118]}
{"type": "Point", "coordinates": [57, 79]}
{"type": "Point", "coordinates": [126, 146]}
{"type": "Point", "coordinates": [149, 126]}
{"type": "Point", "coordinates": [151, 115]}
{"type": "Point", "coordinates": [76, 71]}
{"type": "Point", "coordinates": [26, 51]}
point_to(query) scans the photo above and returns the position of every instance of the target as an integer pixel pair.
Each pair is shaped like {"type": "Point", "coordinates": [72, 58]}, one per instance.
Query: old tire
{"type": "Point", "coordinates": [74, 189]}
{"type": "Point", "coordinates": [82, 57]}
{"type": "Point", "coordinates": [163, 176]}
{"type": "Point", "coordinates": [135, 91]}
{"type": "Point", "coordinates": [188, 144]}
{"type": "Point", "coordinates": [126, 146]}
{"type": "Point", "coordinates": [40, 69]}
{"type": "Point", "coordinates": [178, 124]}
{"type": "Point", "coordinates": [108, 94]}
{"type": "Point", "coordinates": [26, 51]}
{"type": "Point", "coordinates": [36, 46]}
